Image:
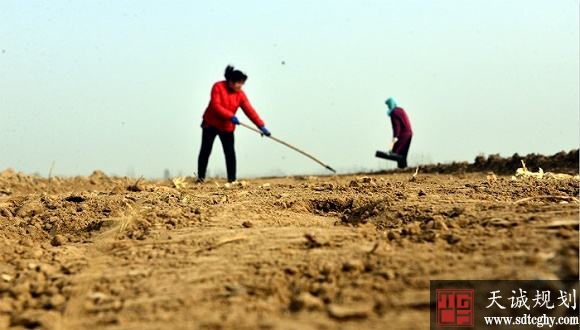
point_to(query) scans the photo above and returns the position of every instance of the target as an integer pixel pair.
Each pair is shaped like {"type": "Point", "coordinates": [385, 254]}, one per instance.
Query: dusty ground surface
{"type": "Point", "coordinates": [344, 252]}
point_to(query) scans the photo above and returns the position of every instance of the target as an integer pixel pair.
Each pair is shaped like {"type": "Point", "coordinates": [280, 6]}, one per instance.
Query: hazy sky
{"type": "Point", "coordinates": [120, 86]}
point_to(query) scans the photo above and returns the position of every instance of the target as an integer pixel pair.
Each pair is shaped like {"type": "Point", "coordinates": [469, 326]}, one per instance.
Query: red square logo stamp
{"type": "Point", "coordinates": [454, 308]}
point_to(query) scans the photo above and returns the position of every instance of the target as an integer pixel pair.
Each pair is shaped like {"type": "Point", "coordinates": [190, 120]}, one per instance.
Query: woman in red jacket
{"type": "Point", "coordinates": [402, 132]}
{"type": "Point", "coordinates": [219, 119]}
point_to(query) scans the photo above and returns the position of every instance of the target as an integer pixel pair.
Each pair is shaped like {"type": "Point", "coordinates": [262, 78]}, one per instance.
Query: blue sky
{"type": "Point", "coordinates": [120, 86]}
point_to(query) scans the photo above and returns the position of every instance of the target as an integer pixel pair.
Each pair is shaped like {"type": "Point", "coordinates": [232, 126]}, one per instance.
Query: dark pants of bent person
{"type": "Point", "coordinates": [401, 148]}
{"type": "Point", "coordinates": [207, 138]}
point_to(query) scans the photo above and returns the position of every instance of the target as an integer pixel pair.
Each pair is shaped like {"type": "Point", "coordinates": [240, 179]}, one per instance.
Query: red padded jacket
{"type": "Point", "coordinates": [224, 104]}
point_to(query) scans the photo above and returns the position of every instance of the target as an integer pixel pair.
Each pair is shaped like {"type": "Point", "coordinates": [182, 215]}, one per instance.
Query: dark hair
{"type": "Point", "coordinates": [234, 75]}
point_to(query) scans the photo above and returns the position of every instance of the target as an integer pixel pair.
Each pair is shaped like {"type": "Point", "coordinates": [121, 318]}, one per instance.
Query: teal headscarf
{"type": "Point", "coordinates": [392, 104]}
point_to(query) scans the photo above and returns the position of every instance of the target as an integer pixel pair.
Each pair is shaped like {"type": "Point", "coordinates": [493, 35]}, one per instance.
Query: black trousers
{"type": "Point", "coordinates": [401, 147]}
{"type": "Point", "coordinates": [207, 138]}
